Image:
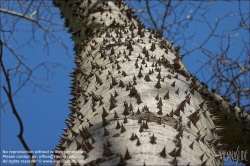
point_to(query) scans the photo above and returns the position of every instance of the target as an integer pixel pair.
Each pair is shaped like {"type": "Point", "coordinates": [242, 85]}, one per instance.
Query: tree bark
{"type": "Point", "coordinates": [133, 101]}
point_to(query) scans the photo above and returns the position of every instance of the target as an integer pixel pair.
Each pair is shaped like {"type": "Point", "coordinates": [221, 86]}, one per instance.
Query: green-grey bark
{"type": "Point", "coordinates": [133, 100]}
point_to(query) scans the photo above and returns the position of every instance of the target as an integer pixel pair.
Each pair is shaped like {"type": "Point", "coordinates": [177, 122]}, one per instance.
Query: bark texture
{"type": "Point", "coordinates": [133, 101]}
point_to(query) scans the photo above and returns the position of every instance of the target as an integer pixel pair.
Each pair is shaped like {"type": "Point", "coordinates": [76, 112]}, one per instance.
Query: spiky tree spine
{"type": "Point", "coordinates": [133, 100]}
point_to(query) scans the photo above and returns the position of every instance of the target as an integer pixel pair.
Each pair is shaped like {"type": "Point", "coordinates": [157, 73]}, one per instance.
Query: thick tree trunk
{"type": "Point", "coordinates": [133, 100]}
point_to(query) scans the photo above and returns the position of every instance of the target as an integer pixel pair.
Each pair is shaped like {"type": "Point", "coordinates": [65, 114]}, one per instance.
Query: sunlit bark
{"type": "Point", "coordinates": [133, 101]}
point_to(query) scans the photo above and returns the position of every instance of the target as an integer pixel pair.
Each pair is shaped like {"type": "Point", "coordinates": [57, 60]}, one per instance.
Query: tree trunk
{"type": "Point", "coordinates": [133, 100]}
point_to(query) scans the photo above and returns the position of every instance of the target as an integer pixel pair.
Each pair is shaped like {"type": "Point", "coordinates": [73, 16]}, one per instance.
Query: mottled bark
{"type": "Point", "coordinates": [133, 100]}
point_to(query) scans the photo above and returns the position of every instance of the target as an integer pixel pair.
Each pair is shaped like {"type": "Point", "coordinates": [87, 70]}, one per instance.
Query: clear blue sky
{"type": "Point", "coordinates": [43, 113]}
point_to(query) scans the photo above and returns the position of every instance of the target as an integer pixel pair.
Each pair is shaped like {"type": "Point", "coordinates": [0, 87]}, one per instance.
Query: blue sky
{"type": "Point", "coordinates": [43, 113]}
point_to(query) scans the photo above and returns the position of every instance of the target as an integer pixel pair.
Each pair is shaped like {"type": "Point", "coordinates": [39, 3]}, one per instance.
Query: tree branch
{"type": "Point", "coordinates": [15, 112]}
{"type": "Point", "coordinates": [30, 17]}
